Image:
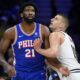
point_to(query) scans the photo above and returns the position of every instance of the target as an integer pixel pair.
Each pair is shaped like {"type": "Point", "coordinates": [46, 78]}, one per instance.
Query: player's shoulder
{"type": "Point", "coordinates": [44, 28]}
{"type": "Point", "coordinates": [57, 34]}
{"type": "Point", "coordinates": [10, 30]}
{"type": "Point", "coordinates": [9, 33]}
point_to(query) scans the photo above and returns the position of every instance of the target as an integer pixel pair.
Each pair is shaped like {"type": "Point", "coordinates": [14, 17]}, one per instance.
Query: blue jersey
{"type": "Point", "coordinates": [26, 58]}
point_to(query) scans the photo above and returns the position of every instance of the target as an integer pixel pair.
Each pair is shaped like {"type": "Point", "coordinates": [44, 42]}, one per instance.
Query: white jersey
{"type": "Point", "coordinates": [67, 54]}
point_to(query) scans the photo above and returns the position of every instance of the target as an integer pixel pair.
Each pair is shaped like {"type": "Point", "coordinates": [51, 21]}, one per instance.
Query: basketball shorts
{"type": "Point", "coordinates": [38, 75]}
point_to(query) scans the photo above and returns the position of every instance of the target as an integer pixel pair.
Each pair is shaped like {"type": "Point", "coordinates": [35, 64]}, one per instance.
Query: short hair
{"type": "Point", "coordinates": [66, 20]}
{"type": "Point", "coordinates": [28, 4]}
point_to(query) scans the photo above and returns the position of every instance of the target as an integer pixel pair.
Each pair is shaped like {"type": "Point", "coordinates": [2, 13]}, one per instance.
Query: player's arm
{"type": "Point", "coordinates": [4, 44]}
{"type": "Point", "coordinates": [54, 64]}
{"type": "Point", "coordinates": [45, 35]}
{"type": "Point", "coordinates": [51, 52]}
{"type": "Point", "coordinates": [11, 56]}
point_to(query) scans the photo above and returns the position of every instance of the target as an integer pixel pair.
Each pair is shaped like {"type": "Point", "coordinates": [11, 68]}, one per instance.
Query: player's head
{"type": "Point", "coordinates": [28, 12]}
{"type": "Point", "coordinates": [59, 23]}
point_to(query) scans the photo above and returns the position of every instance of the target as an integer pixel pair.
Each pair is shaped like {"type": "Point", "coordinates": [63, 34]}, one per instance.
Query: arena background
{"type": "Point", "coordinates": [9, 15]}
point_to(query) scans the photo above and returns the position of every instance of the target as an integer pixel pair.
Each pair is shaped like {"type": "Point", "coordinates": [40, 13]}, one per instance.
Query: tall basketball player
{"type": "Point", "coordinates": [61, 47]}
{"type": "Point", "coordinates": [29, 65]}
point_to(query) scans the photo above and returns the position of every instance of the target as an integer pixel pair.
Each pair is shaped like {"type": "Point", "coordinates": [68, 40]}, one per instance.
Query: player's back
{"type": "Point", "coordinates": [67, 53]}
{"type": "Point", "coordinates": [26, 58]}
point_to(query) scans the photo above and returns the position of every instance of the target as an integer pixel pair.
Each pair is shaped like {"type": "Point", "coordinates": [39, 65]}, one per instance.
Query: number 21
{"type": "Point", "coordinates": [29, 53]}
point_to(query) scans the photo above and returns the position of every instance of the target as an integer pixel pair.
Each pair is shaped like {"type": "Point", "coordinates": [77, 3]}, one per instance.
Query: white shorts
{"type": "Point", "coordinates": [72, 76]}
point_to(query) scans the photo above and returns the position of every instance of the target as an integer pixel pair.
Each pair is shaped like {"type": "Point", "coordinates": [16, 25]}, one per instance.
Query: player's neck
{"type": "Point", "coordinates": [27, 24]}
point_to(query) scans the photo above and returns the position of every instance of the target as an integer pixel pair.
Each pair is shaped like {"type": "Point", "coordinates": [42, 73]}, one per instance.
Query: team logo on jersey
{"type": "Point", "coordinates": [20, 36]}
{"type": "Point", "coordinates": [36, 35]}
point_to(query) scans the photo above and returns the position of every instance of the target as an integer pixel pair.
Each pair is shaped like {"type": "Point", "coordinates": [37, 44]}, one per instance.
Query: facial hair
{"type": "Point", "coordinates": [29, 21]}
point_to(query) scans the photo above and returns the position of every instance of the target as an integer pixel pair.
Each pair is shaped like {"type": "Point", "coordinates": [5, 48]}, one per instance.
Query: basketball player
{"type": "Point", "coordinates": [61, 47]}
{"type": "Point", "coordinates": [29, 65]}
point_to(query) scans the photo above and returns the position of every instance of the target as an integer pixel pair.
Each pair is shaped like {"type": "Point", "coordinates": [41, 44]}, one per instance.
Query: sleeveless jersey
{"type": "Point", "coordinates": [26, 58]}
{"type": "Point", "coordinates": [67, 54]}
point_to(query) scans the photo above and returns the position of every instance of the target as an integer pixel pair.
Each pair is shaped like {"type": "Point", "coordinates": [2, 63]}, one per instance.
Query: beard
{"type": "Point", "coordinates": [29, 21]}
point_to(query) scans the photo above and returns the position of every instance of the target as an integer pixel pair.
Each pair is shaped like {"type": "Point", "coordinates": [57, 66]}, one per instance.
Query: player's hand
{"type": "Point", "coordinates": [37, 44]}
{"type": "Point", "coordinates": [10, 61]}
{"type": "Point", "coordinates": [10, 70]}
{"type": "Point", "coordinates": [64, 71]}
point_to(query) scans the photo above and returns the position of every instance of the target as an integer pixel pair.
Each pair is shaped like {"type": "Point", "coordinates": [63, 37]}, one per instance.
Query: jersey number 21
{"type": "Point", "coordinates": [29, 53]}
